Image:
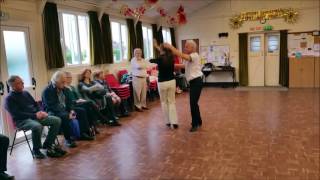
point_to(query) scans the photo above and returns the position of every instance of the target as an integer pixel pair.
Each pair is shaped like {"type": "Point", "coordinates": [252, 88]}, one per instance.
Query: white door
{"type": "Point", "coordinates": [15, 60]}
{"type": "Point", "coordinates": [256, 59]}
{"type": "Point", "coordinates": [272, 63]}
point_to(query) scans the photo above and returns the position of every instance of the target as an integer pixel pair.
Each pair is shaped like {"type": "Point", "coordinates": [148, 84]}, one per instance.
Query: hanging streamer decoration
{"type": "Point", "coordinates": [288, 14]}
{"type": "Point", "coordinates": [178, 19]}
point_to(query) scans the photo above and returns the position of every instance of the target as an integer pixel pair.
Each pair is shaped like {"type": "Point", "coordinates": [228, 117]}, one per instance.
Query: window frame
{"type": "Point", "coordinates": [149, 27]}
{"type": "Point", "coordinates": [121, 22]}
{"type": "Point", "coordinates": [62, 36]}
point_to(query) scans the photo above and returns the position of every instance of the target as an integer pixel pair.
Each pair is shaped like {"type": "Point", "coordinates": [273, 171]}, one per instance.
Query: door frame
{"type": "Point", "coordinates": [7, 128]}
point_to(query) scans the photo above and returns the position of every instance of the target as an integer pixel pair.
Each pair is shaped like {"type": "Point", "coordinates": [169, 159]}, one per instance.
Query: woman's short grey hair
{"type": "Point", "coordinates": [12, 79]}
{"type": "Point", "coordinates": [193, 44]}
{"type": "Point", "coordinates": [57, 76]}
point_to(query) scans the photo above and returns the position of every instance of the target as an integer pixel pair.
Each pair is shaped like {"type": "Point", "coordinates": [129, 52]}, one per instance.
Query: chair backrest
{"type": "Point", "coordinates": [121, 73]}
{"type": "Point", "coordinates": [9, 121]}
{"type": "Point", "coordinates": [111, 80]}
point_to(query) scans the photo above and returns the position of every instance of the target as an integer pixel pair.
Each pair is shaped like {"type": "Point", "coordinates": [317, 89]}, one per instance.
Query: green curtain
{"type": "Point", "coordinates": [96, 46]}
{"type": "Point", "coordinates": [155, 36]}
{"type": "Point", "coordinates": [284, 60]}
{"type": "Point", "coordinates": [173, 37]}
{"type": "Point", "coordinates": [139, 36]}
{"type": "Point", "coordinates": [52, 45]}
{"type": "Point", "coordinates": [243, 59]}
{"type": "Point", "coordinates": [131, 38]}
{"type": "Point", "coordinates": [107, 38]}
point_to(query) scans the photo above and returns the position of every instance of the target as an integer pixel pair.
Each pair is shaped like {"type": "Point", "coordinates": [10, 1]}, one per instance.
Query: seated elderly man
{"type": "Point", "coordinates": [27, 115]}
{"type": "Point", "coordinates": [57, 103]}
{"type": "Point", "coordinates": [4, 144]}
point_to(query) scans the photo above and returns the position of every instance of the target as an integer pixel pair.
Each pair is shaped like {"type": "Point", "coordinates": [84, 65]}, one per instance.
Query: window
{"type": "Point", "coordinates": [255, 44]}
{"type": "Point", "coordinates": [147, 42]}
{"type": "Point", "coordinates": [166, 35]}
{"type": "Point", "coordinates": [119, 41]}
{"type": "Point", "coordinates": [74, 29]}
{"type": "Point", "coordinates": [17, 55]}
{"type": "Point", "coordinates": [273, 43]}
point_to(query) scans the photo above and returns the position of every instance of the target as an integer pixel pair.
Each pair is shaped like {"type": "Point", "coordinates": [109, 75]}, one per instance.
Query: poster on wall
{"type": "Point", "coordinates": [183, 42]}
{"type": "Point", "coordinates": [301, 44]}
{"type": "Point", "coordinates": [215, 54]}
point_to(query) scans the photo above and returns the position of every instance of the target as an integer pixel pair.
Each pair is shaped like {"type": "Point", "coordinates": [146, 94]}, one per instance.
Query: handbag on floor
{"type": "Point", "coordinates": [75, 129]}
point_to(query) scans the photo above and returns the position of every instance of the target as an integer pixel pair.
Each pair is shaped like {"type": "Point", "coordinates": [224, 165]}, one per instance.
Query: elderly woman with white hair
{"type": "Point", "coordinates": [139, 80]}
{"type": "Point", "coordinates": [58, 103]}
{"type": "Point", "coordinates": [194, 77]}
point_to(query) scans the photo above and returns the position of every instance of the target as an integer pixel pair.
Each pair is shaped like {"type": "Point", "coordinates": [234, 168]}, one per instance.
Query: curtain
{"type": "Point", "coordinates": [284, 60]}
{"type": "Point", "coordinates": [131, 38]}
{"type": "Point", "coordinates": [139, 36]}
{"type": "Point", "coordinates": [52, 45]}
{"type": "Point", "coordinates": [96, 45]}
{"type": "Point", "coordinates": [107, 38]}
{"type": "Point", "coordinates": [159, 35]}
{"type": "Point", "coordinates": [243, 59]}
{"type": "Point", "coordinates": [155, 36]}
{"type": "Point", "coordinates": [173, 37]}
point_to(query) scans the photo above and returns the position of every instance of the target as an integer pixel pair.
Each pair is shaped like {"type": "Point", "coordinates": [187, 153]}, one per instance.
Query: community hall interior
{"type": "Point", "coordinates": [257, 66]}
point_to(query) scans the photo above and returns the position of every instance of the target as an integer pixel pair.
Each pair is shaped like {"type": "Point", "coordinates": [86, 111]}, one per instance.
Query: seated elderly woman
{"type": "Point", "coordinates": [93, 91]}
{"type": "Point", "coordinates": [59, 104]}
{"type": "Point", "coordinates": [121, 105]}
{"type": "Point", "coordinates": [93, 112]}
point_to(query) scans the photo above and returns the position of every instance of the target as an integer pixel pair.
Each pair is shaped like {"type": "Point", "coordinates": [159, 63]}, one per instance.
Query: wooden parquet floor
{"type": "Point", "coordinates": [246, 135]}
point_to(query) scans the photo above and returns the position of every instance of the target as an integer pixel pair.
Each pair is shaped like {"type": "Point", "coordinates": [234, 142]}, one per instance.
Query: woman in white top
{"type": "Point", "coordinates": [194, 77]}
{"type": "Point", "coordinates": [139, 80]}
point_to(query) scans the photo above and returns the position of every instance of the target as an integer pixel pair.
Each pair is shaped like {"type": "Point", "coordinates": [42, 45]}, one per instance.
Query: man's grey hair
{"type": "Point", "coordinates": [193, 44]}
{"type": "Point", "coordinates": [68, 74]}
{"type": "Point", "coordinates": [12, 79]}
{"type": "Point", "coordinates": [57, 76]}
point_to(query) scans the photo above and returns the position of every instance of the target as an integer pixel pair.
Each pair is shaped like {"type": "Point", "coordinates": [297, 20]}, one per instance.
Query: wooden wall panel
{"type": "Point", "coordinates": [317, 72]}
{"type": "Point", "coordinates": [302, 72]}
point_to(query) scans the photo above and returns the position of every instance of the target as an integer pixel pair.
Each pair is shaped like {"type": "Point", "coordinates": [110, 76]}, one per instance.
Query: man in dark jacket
{"type": "Point", "coordinates": [4, 144]}
{"type": "Point", "coordinates": [57, 103]}
{"type": "Point", "coordinates": [27, 115]}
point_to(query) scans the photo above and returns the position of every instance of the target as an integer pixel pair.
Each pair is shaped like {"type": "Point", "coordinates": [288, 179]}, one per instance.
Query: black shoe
{"type": "Point", "coordinates": [70, 143]}
{"type": "Point", "coordinates": [38, 154]}
{"type": "Point", "coordinates": [168, 125]}
{"type": "Point", "coordinates": [138, 109]}
{"type": "Point", "coordinates": [125, 114]}
{"type": "Point", "coordinates": [114, 123]}
{"type": "Point", "coordinates": [59, 150]}
{"type": "Point", "coordinates": [175, 126]}
{"type": "Point", "coordinates": [51, 152]}
{"type": "Point", "coordinates": [194, 129]}
{"type": "Point", "coordinates": [86, 137]}
{"type": "Point", "coordinates": [145, 108]}
{"type": "Point", "coordinates": [5, 176]}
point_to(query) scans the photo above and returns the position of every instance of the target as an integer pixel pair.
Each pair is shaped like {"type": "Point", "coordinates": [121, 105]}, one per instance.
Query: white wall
{"type": "Point", "coordinates": [206, 23]}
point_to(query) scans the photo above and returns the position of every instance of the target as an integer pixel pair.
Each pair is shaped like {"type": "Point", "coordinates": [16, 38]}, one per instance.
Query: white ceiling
{"type": "Point", "coordinates": [171, 6]}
